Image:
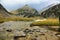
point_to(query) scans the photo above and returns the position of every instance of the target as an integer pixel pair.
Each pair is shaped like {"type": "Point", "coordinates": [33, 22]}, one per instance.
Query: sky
{"type": "Point", "coordinates": [37, 4]}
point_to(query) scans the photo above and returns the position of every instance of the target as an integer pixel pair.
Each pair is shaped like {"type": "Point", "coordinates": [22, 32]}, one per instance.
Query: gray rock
{"type": "Point", "coordinates": [27, 31]}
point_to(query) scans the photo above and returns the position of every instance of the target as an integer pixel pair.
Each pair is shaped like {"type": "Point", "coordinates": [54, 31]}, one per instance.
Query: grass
{"type": "Point", "coordinates": [48, 22]}
{"type": "Point", "coordinates": [14, 19]}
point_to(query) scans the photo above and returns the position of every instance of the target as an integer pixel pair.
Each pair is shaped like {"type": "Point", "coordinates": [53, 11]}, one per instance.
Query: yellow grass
{"type": "Point", "coordinates": [48, 22]}
{"type": "Point", "coordinates": [14, 19]}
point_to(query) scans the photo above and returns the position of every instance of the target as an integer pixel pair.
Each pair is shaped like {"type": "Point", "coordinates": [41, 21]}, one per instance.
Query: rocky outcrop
{"type": "Point", "coordinates": [51, 12]}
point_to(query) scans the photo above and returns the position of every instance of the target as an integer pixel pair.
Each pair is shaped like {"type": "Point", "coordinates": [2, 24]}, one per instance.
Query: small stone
{"type": "Point", "coordinates": [9, 30]}
{"type": "Point", "coordinates": [27, 30]}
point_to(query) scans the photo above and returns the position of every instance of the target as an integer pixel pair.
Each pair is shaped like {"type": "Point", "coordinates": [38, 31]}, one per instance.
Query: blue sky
{"type": "Point", "coordinates": [37, 4]}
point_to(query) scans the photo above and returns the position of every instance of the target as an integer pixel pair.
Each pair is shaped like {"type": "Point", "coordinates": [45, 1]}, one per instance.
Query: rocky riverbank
{"type": "Point", "coordinates": [21, 30]}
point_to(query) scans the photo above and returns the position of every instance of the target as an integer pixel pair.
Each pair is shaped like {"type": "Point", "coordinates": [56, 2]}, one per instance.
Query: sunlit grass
{"type": "Point", "coordinates": [14, 19]}
{"type": "Point", "coordinates": [48, 22]}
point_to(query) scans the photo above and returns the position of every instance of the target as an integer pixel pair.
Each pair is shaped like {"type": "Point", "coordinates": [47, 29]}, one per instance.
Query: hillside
{"type": "Point", "coordinates": [3, 12]}
{"type": "Point", "coordinates": [51, 12]}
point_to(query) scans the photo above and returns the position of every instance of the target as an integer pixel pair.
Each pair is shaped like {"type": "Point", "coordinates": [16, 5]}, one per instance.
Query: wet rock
{"type": "Point", "coordinates": [30, 32]}
{"type": "Point", "coordinates": [9, 30]}
{"type": "Point", "coordinates": [36, 30]}
{"type": "Point", "coordinates": [27, 31]}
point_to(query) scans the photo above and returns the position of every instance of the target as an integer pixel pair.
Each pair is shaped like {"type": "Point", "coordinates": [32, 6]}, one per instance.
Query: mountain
{"type": "Point", "coordinates": [3, 12]}
{"type": "Point", "coordinates": [46, 8]}
{"type": "Point", "coordinates": [52, 11]}
{"type": "Point", "coordinates": [26, 11]}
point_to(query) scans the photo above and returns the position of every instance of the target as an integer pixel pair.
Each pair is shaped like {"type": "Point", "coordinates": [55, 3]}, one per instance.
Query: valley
{"type": "Point", "coordinates": [27, 23]}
